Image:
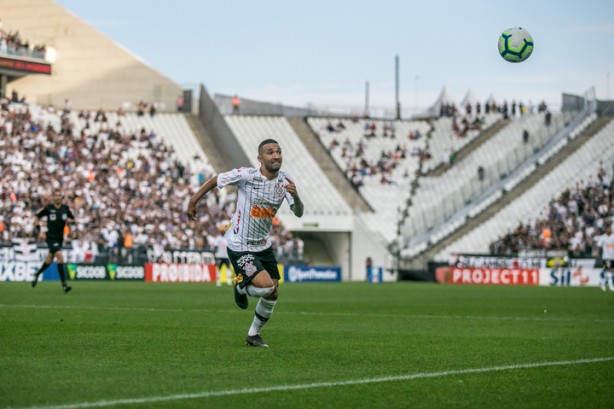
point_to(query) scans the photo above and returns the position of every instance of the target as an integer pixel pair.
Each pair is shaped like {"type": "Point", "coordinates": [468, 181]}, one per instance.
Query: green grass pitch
{"type": "Point", "coordinates": [349, 345]}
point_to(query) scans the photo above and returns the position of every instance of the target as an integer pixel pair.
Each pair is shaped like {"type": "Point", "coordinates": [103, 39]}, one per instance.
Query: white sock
{"type": "Point", "coordinates": [263, 312]}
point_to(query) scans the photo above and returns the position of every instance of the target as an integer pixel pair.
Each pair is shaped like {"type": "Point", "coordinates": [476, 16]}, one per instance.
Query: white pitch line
{"type": "Point", "coordinates": [285, 388]}
{"type": "Point", "coordinates": [337, 314]}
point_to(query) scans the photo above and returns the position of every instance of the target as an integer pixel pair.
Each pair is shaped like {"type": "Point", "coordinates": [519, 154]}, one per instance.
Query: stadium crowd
{"type": "Point", "coordinates": [11, 43]}
{"type": "Point", "coordinates": [356, 165]}
{"type": "Point", "coordinates": [125, 187]}
{"type": "Point", "coordinates": [572, 222]}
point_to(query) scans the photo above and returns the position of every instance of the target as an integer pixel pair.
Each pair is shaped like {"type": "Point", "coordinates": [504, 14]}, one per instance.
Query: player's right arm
{"type": "Point", "coordinates": [204, 189]}
{"type": "Point", "coordinates": [235, 177]}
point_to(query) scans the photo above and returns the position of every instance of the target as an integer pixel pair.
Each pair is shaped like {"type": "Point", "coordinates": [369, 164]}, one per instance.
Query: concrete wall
{"type": "Point", "coordinates": [90, 69]}
{"type": "Point", "coordinates": [219, 131]}
{"type": "Point", "coordinates": [366, 244]}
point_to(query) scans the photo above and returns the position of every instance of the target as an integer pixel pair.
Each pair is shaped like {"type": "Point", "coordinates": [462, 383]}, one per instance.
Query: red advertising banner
{"type": "Point", "coordinates": [180, 273]}
{"type": "Point", "coordinates": [25, 66]}
{"type": "Point", "coordinates": [491, 276]}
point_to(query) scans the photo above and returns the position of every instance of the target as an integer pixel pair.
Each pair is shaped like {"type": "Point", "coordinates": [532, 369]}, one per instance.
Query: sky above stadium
{"type": "Point", "coordinates": [323, 52]}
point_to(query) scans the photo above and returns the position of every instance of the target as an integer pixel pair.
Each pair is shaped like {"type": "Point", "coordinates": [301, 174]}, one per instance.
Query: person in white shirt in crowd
{"type": "Point", "coordinates": [606, 243]}
{"type": "Point", "coordinates": [221, 257]}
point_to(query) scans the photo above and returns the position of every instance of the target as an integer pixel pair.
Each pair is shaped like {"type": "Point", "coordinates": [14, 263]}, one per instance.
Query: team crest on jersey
{"type": "Point", "coordinates": [246, 262]}
{"type": "Point", "coordinates": [249, 269]}
{"type": "Point", "coordinates": [279, 189]}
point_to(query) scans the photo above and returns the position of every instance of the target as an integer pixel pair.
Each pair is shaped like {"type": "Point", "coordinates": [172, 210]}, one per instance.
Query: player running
{"type": "Point", "coordinates": [57, 215]}
{"type": "Point", "coordinates": [261, 192]}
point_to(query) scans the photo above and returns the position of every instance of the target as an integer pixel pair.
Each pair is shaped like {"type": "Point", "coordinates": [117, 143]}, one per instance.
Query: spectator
{"type": "Point", "coordinates": [481, 173]}
{"type": "Point", "coordinates": [525, 136]}
{"type": "Point", "coordinates": [571, 222]}
{"type": "Point", "coordinates": [368, 267]}
{"type": "Point", "coordinates": [548, 118]}
{"type": "Point", "coordinates": [236, 104]}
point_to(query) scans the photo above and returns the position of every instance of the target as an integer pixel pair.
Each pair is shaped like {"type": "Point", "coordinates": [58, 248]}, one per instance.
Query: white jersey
{"type": "Point", "coordinates": [607, 246]}
{"type": "Point", "coordinates": [220, 247]}
{"type": "Point", "coordinates": [257, 203]}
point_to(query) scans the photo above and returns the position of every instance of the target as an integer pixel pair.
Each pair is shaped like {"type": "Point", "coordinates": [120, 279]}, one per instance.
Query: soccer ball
{"type": "Point", "coordinates": [515, 44]}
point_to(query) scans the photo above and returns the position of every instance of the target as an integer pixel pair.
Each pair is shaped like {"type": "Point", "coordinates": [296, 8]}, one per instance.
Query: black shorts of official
{"type": "Point", "coordinates": [608, 264]}
{"type": "Point", "coordinates": [248, 264]}
{"type": "Point", "coordinates": [54, 245]}
{"type": "Point", "coordinates": [223, 261]}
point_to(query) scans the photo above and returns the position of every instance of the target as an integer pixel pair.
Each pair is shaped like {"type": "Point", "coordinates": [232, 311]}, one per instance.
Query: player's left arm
{"type": "Point", "coordinates": [297, 208]}
{"type": "Point", "coordinates": [70, 218]}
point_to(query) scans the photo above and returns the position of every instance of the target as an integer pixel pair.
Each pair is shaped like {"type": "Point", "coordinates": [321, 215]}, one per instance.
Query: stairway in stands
{"type": "Point", "coordinates": [208, 144]}
{"type": "Point", "coordinates": [329, 167]}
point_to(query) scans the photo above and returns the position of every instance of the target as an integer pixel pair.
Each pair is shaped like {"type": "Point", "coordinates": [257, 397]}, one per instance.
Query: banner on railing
{"type": "Point", "coordinates": [294, 274]}
{"type": "Point", "coordinates": [180, 273]}
{"type": "Point", "coordinates": [543, 269]}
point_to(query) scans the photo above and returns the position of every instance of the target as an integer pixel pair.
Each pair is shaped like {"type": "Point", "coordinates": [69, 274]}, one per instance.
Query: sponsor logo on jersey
{"type": "Point", "coordinates": [260, 212]}
{"type": "Point", "coordinates": [238, 224]}
{"type": "Point", "coordinates": [256, 242]}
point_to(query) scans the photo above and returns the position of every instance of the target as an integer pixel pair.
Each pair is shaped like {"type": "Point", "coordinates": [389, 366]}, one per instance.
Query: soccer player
{"type": "Point", "coordinates": [261, 192]}
{"type": "Point", "coordinates": [57, 215]}
{"type": "Point", "coordinates": [606, 242]}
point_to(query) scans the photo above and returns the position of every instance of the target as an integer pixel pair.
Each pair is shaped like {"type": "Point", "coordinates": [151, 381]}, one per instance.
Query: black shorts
{"type": "Point", "coordinates": [608, 264]}
{"type": "Point", "coordinates": [248, 264]}
{"type": "Point", "coordinates": [223, 261]}
{"type": "Point", "coordinates": [54, 245]}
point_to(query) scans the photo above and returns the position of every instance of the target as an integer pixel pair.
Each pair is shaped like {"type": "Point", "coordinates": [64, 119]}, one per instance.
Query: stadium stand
{"type": "Point", "coordinates": [445, 141]}
{"type": "Point", "coordinates": [578, 171]}
{"type": "Point", "coordinates": [11, 43]}
{"type": "Point", "coordinates": [463, 182]}
{"type": "Point", "coordinates": [152, 161]}
{"type": "Point", "coordinates": [380, 158]}
{"type": "Point", "coordinates": [120, 176]}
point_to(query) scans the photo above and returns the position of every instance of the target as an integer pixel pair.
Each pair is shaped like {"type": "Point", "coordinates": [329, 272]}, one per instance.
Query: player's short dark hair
{"type": "Point", "coordinates": [266, 142]}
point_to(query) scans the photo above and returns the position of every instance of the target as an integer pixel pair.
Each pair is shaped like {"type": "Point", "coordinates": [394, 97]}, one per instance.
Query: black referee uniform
{"type": "Point", "coordinates": [57, 217]}
{"type": "Point", "coordinates": [56, 222]}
